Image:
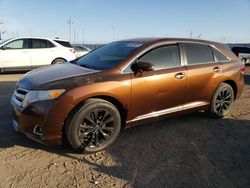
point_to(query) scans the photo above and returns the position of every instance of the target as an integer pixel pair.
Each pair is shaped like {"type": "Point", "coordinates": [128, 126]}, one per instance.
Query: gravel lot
{"type": "Point", "coordinates": [186, 151]}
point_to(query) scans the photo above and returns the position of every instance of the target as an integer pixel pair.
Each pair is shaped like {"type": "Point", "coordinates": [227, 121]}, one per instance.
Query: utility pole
{"type": "Point", "coordinates": [1, 22]}
{"type": "Point", "coordinates": [113, 28]}
{"type": "Point", "coordinates": [191, 34]}
{"type": "Point", "coordinates": [83, 36]}
{"type": "Point", "coordinates": [30, 32]}
{"type": "Point", "coordinates": [77, 39]}
{"type": "Point", "coordinates": [1, 32]}
{"type": "Point", "coordinates": [74, 36]}
{"type": "Point", "coordinates": [70, 24]}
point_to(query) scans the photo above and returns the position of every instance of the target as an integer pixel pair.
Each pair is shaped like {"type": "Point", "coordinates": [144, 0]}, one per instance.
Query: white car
{"type": "Point", "coordinates": [245, 58]}
{"type": "Point", "coordinates": [81, 50]}
{"type": "Point", "coordinates": [32, 52]}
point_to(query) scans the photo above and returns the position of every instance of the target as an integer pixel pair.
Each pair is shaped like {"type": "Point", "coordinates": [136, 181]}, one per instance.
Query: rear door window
{"type": "Point", "coordinates": [198, 53]}
{"type": "Point", "coordinates": [41, 43]}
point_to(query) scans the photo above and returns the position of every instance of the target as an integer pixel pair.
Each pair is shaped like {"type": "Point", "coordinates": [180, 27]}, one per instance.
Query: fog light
{"type": "Point", "coordinates": [38, 130]}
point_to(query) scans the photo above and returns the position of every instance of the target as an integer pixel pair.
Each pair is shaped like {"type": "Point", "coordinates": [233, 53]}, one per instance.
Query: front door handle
{"type": "Point", "coordinates": [216, 69]}
{"type": "Point", "coordinates": [180, 75]}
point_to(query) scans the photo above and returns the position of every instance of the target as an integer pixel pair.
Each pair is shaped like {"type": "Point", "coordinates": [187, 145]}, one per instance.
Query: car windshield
{"type": "Point", "coordinates": [108, 56]}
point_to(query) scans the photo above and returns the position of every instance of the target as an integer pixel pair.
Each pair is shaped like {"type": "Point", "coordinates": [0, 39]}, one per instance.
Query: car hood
{"type": "Point", "coordinates": [66, 75]}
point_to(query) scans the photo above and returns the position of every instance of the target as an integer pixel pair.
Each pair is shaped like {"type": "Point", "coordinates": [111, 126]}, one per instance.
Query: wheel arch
{"type": "Point", "coordinates": [122, 110]}
{"type": "Point", "coordinates": [58, 58]}
{"type": "Point", "coordinates": [233, 85]}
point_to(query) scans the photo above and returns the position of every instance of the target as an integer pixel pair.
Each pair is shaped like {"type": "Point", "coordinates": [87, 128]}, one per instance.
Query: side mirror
{"type": "Point", "coordinates": [141, 66]}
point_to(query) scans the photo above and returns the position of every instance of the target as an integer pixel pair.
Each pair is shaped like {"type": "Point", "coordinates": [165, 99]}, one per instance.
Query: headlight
{"type": "Point", "coordinates": [33, 96]}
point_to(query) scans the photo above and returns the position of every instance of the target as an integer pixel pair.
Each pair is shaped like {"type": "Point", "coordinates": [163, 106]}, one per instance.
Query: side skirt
{"type": "Point", "coordinates": [175, 109]}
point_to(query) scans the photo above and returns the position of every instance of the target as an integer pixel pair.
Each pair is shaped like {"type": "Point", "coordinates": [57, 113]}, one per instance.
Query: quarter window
{"type": "Point", "coordinates": [64, 43]}
{"type": "Point", "coordinates": [218, 55]}
{"type": "Point", "coordinates": [198, 53]}
{"type": "Point", "coordinates": [163, 57]}
{"type": "Point", "coordinates": [17, 44]}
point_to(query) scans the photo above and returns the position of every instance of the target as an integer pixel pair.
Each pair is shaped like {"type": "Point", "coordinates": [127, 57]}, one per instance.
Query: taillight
{"type": "Point", "coordinates": [72, 50]}
{"type": "Point", "coordinates": [242, 68]}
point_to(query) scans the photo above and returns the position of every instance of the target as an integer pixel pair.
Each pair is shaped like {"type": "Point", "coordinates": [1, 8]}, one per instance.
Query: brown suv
{"type": "Point", "coordinates": [122, 84]}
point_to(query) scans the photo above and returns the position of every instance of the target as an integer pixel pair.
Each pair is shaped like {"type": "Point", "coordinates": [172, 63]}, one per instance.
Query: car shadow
{"type": "Point", "coordinates": [14, 72]}
{"type": "Point", "coordinates": [187, 151]}
{"type": "Point", "coordinates": [190, 150]}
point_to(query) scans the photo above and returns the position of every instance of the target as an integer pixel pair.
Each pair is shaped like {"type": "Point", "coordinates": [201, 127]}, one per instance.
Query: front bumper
{"type": "Point", "coordinates": [37, 122]}
{"type": "Point", "coordinates": [32, 136]}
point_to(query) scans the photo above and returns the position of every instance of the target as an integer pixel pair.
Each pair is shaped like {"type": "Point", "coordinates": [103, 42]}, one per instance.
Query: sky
{"type": "Point", "coordinates": [102, 21]}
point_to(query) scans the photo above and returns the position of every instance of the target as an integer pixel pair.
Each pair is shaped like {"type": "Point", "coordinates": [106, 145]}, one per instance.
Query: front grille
{"type": "Point", "coordinates": [19, 95]}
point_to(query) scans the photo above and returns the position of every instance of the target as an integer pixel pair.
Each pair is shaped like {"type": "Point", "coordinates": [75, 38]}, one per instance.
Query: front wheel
{"type": "Point", "coordinates": [93, 127]}
{"type": "Point", "coordinates": [221, 101]}
{"type": "Point", "coordinates": [58, 61]}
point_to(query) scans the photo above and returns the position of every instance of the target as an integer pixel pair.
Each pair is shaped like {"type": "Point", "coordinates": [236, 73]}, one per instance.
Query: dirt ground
{"type": "Point", "coordinates": [186, 151]}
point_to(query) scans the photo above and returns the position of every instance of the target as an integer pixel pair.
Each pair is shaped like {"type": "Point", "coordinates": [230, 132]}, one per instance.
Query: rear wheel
{"type": "Point", "coordinates": [222, 101]}
{"type": "Point", "coordinates": [58, 61]}
{"type": "Point", "coordinates": [93, 127]}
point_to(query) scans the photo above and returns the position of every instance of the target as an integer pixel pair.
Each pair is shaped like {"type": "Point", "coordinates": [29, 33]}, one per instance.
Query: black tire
{"type": "Point", "coordinates": [93, 127]}
{"type": "Point", "coordinates": [221, 101]}
{"type": "Point", "coordinates": [58, 61]}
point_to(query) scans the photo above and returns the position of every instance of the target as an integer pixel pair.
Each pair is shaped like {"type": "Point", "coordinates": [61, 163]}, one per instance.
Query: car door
{"type": "Point", "coordinates": [161, 90]}
{"type": "Point", "coordinates": [42, 52]}
{"type": "Point", "coordinates": [16, 55]}
{"type": "Point", "coordinates": [204, 74]}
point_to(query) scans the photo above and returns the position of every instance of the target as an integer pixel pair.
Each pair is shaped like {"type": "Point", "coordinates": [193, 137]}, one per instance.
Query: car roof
{"type": "Point", "coordinates": [155, 40]}
{"type": "Point", "coordinates": [46, 38]}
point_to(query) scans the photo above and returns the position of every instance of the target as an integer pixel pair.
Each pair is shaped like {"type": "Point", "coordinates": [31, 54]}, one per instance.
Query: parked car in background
{"type": "Point", "coordinates": [29, 53]}
{"type": "Point", "coordinates": [122, 84]}
{"type": "Point", "coordinates": [243, 53]}
{"type": "Point", "coordinates": [245, 58]}
{"type": "Point", "coordinates": [81, 50]}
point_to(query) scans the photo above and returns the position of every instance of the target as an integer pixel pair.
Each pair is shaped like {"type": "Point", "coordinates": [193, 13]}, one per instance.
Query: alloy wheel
{"type": "Point", "coordinates": [96, 128]}
{"type": "Point", "coordinates": [223, 101]}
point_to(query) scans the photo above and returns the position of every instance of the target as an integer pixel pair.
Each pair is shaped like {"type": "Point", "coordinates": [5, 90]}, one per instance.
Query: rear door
{"type": "Point", "coordinates": [203, 74]}
{"type": "Point", "coordinates": [16, 55]}
{"type": "Point", "coordinates": [43, 52]}
{"type": "Point", "coordinates": [161, 90]}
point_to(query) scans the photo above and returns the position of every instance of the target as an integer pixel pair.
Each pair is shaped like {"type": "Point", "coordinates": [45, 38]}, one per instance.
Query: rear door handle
{"type": "Point", "coordinates": [216, 69]}
{"type": "Point", "coordinates": [180, 75]}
